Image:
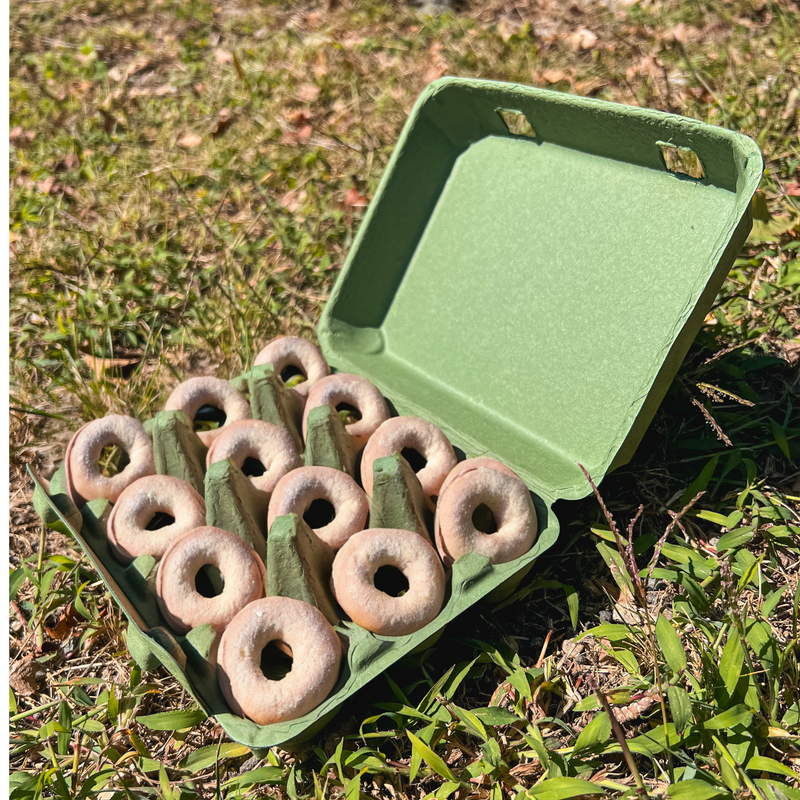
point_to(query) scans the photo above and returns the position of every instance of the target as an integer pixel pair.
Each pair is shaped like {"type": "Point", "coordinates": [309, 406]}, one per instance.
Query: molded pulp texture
{"type": "Point", "coordinates": [532, 297]}
{"type": "Point", "coordinates": [535, 297]}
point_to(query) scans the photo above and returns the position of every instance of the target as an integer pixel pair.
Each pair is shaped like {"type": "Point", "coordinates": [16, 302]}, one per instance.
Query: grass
{"type": "Point", "coordinates": [186, 179]}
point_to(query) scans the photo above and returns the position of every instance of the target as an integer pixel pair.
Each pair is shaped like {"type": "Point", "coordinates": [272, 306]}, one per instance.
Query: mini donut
{"type": "Point", "coordinates": [355, 391]}
{"type": "Point", "coordinates": [139, 503]}
{"type": "Point", "coordinates": [292, 351]}
{"type": "Point", "coordinates": [299, 630]}
{"type": "Point", "coordinates": [417, 434]}
{"type": "Point", "coordinates": [243, 574]}
{"type": "Point", "coordinates": [353, 581]}
{"type": "Point", "coordinates": [296, 491]}
{"type": "Point", "coordinates": [481, 462]}
{"type": "Point", "coordinates": [270, 444]}
{"type": "Point", "coordinates": [508, 499]}
{"type": "Point", "coordinates": [190, 396]}
{"type": "Point", "coordinates": [85, 481]}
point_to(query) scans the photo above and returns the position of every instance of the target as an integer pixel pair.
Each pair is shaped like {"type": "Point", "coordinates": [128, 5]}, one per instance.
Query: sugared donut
{"type": "Point", "coordinates": [506, 496]}
{"type": "Point", "coordinates": [271, 445]}
{"type": "Point", "coordinates": [481, 462]}
{"type": "Point", "coordinates": [296, 491]}
{"type": "Point", "coordinates": [413, 433]}
{"type": "Point", "coordinates": [353, 581]}
{"type": "Point", "coordinates": [136, 507]}
{"type": "Point", "coordinates": [190, 396]}
{"type": "Point", "coordinates": [292, 351]}
{"type": "Point", "coordinates": [357, 392]}
{"type": "Point", "coordinates": [299, 630]}
{"type": "Point", "coordinates": [85, 481]}
{"type": "Point", "coordinates": [242, 571]}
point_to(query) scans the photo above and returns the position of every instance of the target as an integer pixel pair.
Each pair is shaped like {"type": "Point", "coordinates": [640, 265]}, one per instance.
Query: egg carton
{"type": "Point", "coordinates": [293, 568]}
{"type": "Point", "coordinates": [531, 295]}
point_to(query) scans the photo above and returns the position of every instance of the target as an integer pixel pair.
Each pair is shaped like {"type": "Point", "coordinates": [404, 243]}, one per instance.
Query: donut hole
{"type": "Point", "coordinates": [483, 519]}
{"type": "Point", "coordinates": [113, 459]}
{"type": "Point", "coordinates": [292, 375]}
{"type": "Point", "coordinates": [253, 468]}
{"type": "Point", "coordinates": [319, 514]}
{"type": "Point", "coordinates": [391, 581]}
{"type": "Point", "coordinates": [348, 413]}
{"type": "Point", "coordinates": [276, 660]}
{"type": "Point", "coordinates": [161, 519]}
{"type": "Point", "coordinates": [209, 418]}
{"type": "Point", "coordinates": [415, 459]}
{"type": "Point", "coordinates": [208, 581]}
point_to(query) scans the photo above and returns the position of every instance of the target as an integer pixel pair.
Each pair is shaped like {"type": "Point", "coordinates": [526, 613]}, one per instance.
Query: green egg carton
{"type": "Point", "coordinates": [531, 295]}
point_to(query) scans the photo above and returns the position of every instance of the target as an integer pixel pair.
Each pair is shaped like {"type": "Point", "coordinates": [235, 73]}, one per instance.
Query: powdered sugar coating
{"type": "Point", "coordinates": [292, 351]}
{"type": "Point", "coordinates": [357, 392]}
{"type": "Point", "coordinates": [270, 444]}
{"type": "Point", "coordinates": [243, 574]}
{"type": "Point", "coordinates": [139, 503]}
{"type": "Point", "coordinates": [296, 491]}
{"type": "Point", "coordinates": [508, 499]}
{"type": "Point", "coordinates": [85, 481]}
{"type": "Point", "coordinates": [398, 433]}
{"type": "Point", "coordinates": [190, 396]}
{"type": "Point", "coordinates": [296, 627]}
{"type": "Point", "coordinates": [353, 581]}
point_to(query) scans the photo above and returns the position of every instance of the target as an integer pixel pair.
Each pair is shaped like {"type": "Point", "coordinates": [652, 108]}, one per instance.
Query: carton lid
{"type": "Point", "coordinates": [535, 296]}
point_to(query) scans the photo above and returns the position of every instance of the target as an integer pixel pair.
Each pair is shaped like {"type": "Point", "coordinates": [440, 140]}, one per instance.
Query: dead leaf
{"type": "Point", "coordinates": [225, 119]}
{"type": "Point", "coordinates": [102, 365]}
{"type": "Point", "coordinates": [792, 104]}
{"type": "Point", "coordinates": [120, 74]}
{"type": "Point", "coordinates": [65, 625]}
{"type": "Point", "coordinates": [435, 71]}
{"type": "Point", "coordinates": [55, 91]}
{"type": "Point", "coordinates": [793, 189]}
{"type": "Point", "coordinates": [46, 186]}
{"type": "Point", "coordinates": [625, 609]}
{"type": "Point", "coordinates": [300, 118]}
{"type": "Point", "coordinates": [81, 88]}
{"type": "Point", "coordinates": [583, 39]}
{"type": "Point", "coordinates": [590, 87]}
{"type": "Point", "coordinates": [304, 134]}
{"type": "Point", "coordinates": [321, 66]}
{"type": "Point", "coordinates": [508, 28]}
{"type": "Point", "coordinates": [438, 64]}
{"type": "Point", "coordinates": [525, 769]}
{"type": "Point", "coordinates": [308, 92]}
{"type": "Point", "coordinates": [190, 140]}
{"type": "Point", "coordinates": [25, 675]}
{"type": "Point", "coordinates": [354, 199]}
{"type": "Point", "coordinates": [554, 76]}
{"type": "Point", "coordinates": [679, 33]}
{"type": "Point", "coordinates": [301, 121]}
{"type": "Point", "coordinates": [293, 199]}
{"type": "Point", "coordinates": [223, 56]}
{"type": "Point", "coordinates": [20, 137]}
{"type": "Point", "coordinates": [110, 99]}
{"type": "Point", "coordinates": [71, 161]}
{"type": "Point", "coordinates": [167, 88]}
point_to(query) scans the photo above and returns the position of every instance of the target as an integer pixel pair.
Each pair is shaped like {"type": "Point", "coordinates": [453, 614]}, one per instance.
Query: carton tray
{"type": "Point", "coordinates": [533, 297]}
